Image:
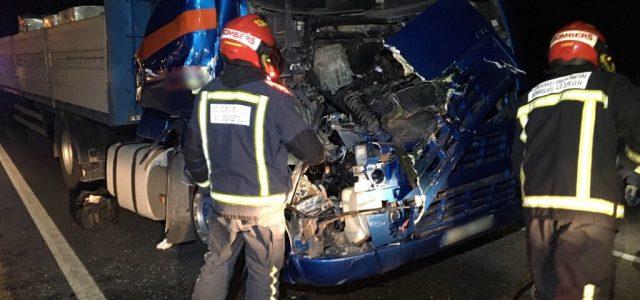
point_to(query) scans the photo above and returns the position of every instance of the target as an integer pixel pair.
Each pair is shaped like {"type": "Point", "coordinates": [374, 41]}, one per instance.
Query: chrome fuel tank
{"type": "Point", "coordinates": [137, 177]}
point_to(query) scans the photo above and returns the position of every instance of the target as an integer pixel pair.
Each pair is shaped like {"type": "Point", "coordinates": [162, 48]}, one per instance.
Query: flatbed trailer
{"type": "Point", "coordinates": [83, 67]}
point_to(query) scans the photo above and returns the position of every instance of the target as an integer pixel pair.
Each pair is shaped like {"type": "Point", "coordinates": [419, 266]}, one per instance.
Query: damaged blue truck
{"type": "Point", "coordinates": [411, 97]}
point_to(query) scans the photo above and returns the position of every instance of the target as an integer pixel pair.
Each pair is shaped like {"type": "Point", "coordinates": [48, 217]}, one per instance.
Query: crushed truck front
{"type": "Point", "coordinates": [411, 99]}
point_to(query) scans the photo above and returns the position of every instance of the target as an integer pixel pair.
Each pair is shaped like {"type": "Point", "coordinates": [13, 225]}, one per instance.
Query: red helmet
{"type": "Point", "coordinates": [249, 39]}
{"type": "Point", "coordinates": [577, 41]}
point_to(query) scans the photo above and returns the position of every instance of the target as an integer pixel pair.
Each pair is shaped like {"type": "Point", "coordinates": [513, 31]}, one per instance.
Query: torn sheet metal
{"type": "Point", "coordinates": [458, 187]}
{"type": "Point", "coordinates": [439, 36]}
{"type": "Point", "coordinates": [167, 45]}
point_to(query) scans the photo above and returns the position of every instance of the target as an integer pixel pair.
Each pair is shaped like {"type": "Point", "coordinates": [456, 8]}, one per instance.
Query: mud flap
{"type": "Point", "coordinates": [178, 227]}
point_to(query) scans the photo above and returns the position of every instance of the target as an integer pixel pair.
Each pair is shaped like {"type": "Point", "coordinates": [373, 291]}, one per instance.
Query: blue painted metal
{"type": "Point", "coordinates": [475, 185]}
{"type": "Point", "coordinates": [387, 227]}
{"type": "Point", "coordinates": [227, 11]}
{"type": "Point", "coordinates": [483, 84]}
{"type": "Point", "coordinates": [473, 190]}
{"type": "Point", "coordinates": [154, 125]}
{"type": "Point", "coordinates": [193, 49]}
{"type": "Point", "coordinates": [521, 83]}
{"type": "Point", "coordinates": [199, 48]}
{"type": "Point", "coordinates": [395, 185]}
{"type": "Point", "coordinates": [329, 271]}
{"type": "Point", "coordinates": [464, 170]}
{"type": "Point", "coordinates": [196, 49]}
{"type": "Point", "coordinates": [505, 23]}
{"type": "Point", "coordinates": [428, 38]}
{"type": "Point", "coordinates": [125, 22]}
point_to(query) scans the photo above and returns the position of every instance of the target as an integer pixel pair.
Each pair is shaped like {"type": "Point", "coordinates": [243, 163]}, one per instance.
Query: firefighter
{"type": "Point", "coordinates": [565, 150]}
{"type": "Point", "coordinates": [243, 127]}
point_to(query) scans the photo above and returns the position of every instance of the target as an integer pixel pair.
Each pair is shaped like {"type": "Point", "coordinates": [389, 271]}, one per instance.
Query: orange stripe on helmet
{"type": "Point", "coordinates": [187, 22]}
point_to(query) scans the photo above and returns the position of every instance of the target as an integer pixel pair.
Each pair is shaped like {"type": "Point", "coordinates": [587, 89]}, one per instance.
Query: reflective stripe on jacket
{"type": "Point", "coordinates": [237, 145]}
{"type": "Point", "coordinates": [567, 137]}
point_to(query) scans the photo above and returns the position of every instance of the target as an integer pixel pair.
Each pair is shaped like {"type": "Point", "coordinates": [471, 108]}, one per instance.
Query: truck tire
{"type": "Point", "coordinates": [68, 159]}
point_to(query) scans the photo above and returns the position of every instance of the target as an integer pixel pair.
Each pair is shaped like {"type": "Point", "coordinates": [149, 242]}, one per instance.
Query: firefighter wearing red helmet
{"type": "Point", "coordinates": [241, 131]}
{"type": "Point", "coordinates": [566, 149]}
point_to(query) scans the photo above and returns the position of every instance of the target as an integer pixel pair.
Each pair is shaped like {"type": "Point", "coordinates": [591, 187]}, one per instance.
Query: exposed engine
{"type": "Point", "coordinates": [370, 109]}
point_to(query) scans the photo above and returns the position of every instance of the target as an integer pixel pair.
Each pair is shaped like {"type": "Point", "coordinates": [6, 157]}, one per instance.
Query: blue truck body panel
{"type": "Point", "coordinates": [440, 35]}
{"type": "Point", "coordinates": [197, 48]}
{"type": "Point", "coordinates": [193, 49]}
{"type": "Point", "coordinates": [125, 22]}
{"type": "Point", "coordinates": [335, 271]}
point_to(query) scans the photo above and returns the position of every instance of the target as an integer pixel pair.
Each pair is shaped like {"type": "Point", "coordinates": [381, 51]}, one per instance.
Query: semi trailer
{"type": "Point", "coordinates": [411, 98]}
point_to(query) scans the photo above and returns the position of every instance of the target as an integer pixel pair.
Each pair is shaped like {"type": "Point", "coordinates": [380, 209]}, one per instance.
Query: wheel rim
{"type": "Point", "coordinates": [203, 211]}
{"type": "Point", "coordinates": [66, 149]}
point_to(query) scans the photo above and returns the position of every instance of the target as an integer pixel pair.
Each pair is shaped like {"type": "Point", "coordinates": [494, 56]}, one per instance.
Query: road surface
{"type": "Point", "coordinates": [123, 263]}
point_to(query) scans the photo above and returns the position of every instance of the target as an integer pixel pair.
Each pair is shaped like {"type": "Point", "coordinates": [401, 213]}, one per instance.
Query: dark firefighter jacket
{"type": "Point", "coordinates": [239, 136]}
{"type": "Point", "coordinates": [567, 143]}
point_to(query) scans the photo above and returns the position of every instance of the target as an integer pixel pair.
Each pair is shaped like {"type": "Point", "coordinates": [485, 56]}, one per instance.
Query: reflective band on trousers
{"type": "Point", "coordinates": [274, 282]}
{"type": "Point", "coordinates": [632, 155]}
{"type": "Point", "coordinates": [261, 108]}
{"type": "Point", "coordinates": [203, 184]}
{"type": "Point", "coordinates": [593, 205]}
{"type": "Point", "coordinates": [589, 292]}
{"type": "Point", "coordinates": [249, 200]}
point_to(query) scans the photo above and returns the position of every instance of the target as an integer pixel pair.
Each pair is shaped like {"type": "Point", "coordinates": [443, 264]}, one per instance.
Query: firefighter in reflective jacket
{"type": "Point", "coordinates": [241, 132]}
{"type": "Point", "coordinates": [566, 149]}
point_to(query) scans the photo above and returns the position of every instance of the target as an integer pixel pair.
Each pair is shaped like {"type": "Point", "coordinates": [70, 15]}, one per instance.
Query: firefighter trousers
{"type": "Point", "coordinates": [571, 259]}
{"type": "Point", "coordinates": [264, 255]}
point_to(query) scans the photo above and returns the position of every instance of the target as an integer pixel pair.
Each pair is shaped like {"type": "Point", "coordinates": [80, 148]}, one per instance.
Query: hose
{"type": "Point", "coordinates": [361, 111]}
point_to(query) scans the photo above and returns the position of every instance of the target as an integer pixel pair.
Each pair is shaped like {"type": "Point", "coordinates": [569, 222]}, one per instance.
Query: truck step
{"type": "Point", "coordinates": [31, 119]}
{"type": "Point", "coordinates": [29, 112]}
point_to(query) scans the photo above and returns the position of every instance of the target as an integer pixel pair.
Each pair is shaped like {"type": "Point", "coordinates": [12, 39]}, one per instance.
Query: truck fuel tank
{"type": "Point", "coordinates": [137, 177]}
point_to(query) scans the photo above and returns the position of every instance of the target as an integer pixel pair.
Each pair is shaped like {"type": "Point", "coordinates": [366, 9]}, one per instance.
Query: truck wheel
{"type": "Point", "coordinates": [201, 214]}
{"type": "Point", "coordinates": [68, 159]}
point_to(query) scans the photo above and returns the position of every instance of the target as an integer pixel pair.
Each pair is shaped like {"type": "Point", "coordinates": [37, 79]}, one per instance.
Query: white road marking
{"type": "Point", "coordinates": [77, 275]}
{"type": "Point", "coordinates": [629, 257]}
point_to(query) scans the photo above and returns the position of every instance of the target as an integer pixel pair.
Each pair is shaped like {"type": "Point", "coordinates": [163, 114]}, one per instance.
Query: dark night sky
{"type": "Point", "coordinates": [9, 10]}
{"type": "Point", "coordinates": [534, 22]}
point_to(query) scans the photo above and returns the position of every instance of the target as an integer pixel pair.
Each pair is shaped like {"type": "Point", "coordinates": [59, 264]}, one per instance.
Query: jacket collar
{"type": "Point", "coordinates": [234, 75]}
{"type": "Point", "coordinates": [567, 70]}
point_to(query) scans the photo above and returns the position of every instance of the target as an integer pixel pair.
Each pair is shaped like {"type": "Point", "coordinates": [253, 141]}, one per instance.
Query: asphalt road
{"type": "Point", "coordinates": [124, 263]}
